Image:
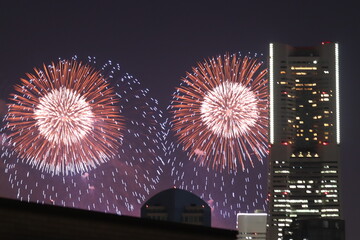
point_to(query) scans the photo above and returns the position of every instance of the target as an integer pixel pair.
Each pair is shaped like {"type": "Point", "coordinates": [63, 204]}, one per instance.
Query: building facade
{"type": "Point", "coordinates": [251, 226]}
{"type": "Point", "coordinates": [317, 229]}
{"type": "Point", "coordinates": [304, 135]}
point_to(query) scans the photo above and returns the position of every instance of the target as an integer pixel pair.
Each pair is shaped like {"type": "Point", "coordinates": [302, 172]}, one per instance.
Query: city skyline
{"type": "Point", "coordinates": [158, 43]}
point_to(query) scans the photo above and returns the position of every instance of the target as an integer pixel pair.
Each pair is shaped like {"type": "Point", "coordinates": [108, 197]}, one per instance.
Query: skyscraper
{"type": "Point", "coordinates": [304, 135]}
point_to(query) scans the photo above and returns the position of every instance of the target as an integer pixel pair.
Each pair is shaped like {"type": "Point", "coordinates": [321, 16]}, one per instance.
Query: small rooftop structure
{"type": "Point", "coordinates": [251, 225]}
{"type": "Point", "coordinates": [177, 205]}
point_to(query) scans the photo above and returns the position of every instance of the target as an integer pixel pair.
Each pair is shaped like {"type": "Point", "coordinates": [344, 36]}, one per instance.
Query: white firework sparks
{"type": "Point", "coordinates": [230, 110]}
{"type": "Point", "coordinates": [134, 165]}
{"type": "Point", "coordinates": [63, 116]}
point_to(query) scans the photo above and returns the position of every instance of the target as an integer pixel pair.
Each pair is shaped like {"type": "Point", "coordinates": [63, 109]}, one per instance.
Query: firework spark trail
{"type": "Point", "coordinates": [119, 185]}
{"type": "Point", "coordinates": [220, 120]}
{"type": "Point", "coordinates": [63, 119]}
{"type": "Point", "coordinates": [220, 112]}
{"type": "Point", "coordinates": [228, 193]}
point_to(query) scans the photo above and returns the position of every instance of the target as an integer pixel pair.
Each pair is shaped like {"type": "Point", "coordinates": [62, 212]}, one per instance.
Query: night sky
{"type": "Point", "coordinates": [159, 41]}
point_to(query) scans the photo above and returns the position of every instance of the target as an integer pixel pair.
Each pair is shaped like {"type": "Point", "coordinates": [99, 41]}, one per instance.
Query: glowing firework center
{"type": "Point", "coordinates": [63, 116]}
{"type": "Point", "coordinates": [229, 110]}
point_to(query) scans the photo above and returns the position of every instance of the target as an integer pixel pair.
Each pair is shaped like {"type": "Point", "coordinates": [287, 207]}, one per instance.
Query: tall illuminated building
{"type": "Point", "coordinates": [304, 135]}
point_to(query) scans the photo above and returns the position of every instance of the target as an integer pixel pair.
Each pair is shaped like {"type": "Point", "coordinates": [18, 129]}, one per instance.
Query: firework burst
{"type": "Point", "coordinates": [119, 185]}
{"type": "Point", "coordinates": [220, 112]}
{"type": "Point", "coordinates": [64, 118]}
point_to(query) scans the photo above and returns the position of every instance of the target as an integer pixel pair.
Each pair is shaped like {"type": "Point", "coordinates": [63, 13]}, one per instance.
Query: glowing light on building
{"type": "Point", "coordinates": [271, 86]}
{"type": "Point", "coordinates": [337, 93]}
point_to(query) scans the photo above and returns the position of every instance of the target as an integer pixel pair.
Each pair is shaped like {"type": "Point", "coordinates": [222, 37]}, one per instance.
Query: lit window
{"type": "Point", "coordinates": [303, 68]}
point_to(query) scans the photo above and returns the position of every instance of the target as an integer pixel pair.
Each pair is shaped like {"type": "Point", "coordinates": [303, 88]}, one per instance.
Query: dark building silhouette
{"type": "Point", "coordinates": [23, 220]}
{"type": "Point", "coordinates": [315, 229]}
{"type": "Point", "coordinates": [177, 205]}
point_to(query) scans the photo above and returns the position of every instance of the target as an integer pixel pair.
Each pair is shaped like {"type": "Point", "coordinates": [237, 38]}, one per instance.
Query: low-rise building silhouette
{"type": "Point", "coordinates": [23, 220]}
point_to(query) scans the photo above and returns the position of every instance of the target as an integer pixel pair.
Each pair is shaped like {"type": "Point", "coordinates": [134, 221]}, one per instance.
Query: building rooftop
{"type": "Point", "coordinates": [23, 220]}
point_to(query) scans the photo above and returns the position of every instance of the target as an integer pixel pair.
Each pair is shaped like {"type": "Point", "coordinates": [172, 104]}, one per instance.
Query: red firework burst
{"type": "Point", "coordinates": [220, 112]}
{"type": "Point", "coordinates": [63, 118]}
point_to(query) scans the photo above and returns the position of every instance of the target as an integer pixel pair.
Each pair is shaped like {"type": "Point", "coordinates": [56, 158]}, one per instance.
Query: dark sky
{"type": "Point", "coordinates": [158, 41]}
